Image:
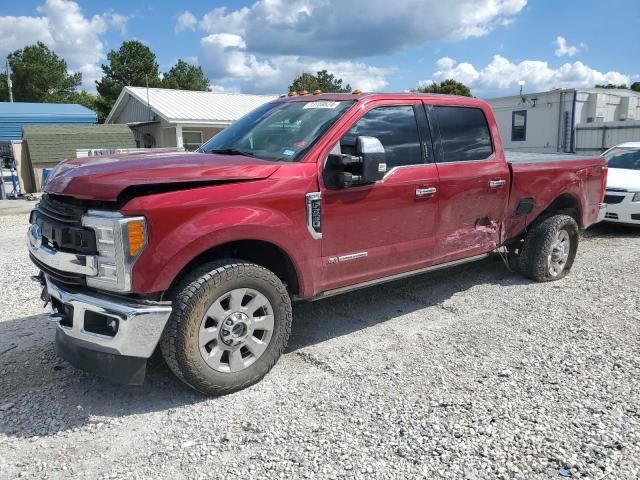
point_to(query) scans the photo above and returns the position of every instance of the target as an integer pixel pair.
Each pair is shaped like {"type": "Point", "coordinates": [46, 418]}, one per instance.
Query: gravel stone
{"type": "Point", "coordinates": [471, 373]}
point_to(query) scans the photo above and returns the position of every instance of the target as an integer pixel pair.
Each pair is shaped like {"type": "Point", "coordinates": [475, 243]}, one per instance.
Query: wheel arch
{"type": "Point", "coordinates": [261, 252]}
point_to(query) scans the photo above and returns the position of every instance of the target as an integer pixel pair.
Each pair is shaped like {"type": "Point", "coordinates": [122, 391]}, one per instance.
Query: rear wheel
{"type": "Point", "coordinates": [230, 324]}
{"type": "Point", "coordinates": [549, 248]}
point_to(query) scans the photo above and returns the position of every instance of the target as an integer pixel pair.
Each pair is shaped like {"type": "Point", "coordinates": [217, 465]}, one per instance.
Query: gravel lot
{"type": "Point", "coordinates": [471, 373]}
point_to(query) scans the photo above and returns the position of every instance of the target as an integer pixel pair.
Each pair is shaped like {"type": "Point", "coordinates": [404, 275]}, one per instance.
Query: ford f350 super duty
{"type": "Point", "coordinates": [201, 254]}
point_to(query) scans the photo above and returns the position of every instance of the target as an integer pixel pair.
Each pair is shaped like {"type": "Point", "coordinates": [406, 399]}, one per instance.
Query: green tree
{"type": "Point", "coordinates": [84, 98]}
{"type": "Point", "coordinates": [448, 86]}
{"type": "Point", "coordinates": [38, 75]}
{"type": "Point", "coordinates": [322, 80]}
{"type": "Point", "coordinates": [184, 76]}
{"type": "Point", "coordinates": [132, 65]}
{"type": "Point", "coordinates": [635, 86]}
{"type": "Point", "coordinates": [622, 86]}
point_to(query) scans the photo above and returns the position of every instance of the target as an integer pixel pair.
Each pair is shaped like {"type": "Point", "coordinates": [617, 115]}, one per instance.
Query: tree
{"type": "Point", "coordinates": [448, 86]}
{"type": "Point", "coordinates": [84, 98]}
{"type": "Point", "coordinates": [132, 65]}
{"type": "Point", "coordinates": [184, 76]}
{"type": "Point", "coordinates": [322, 80]}
{"type": "Point", "coordinates": [622, 86]}
{"type": "Point", "coordinates": [635, 86]}
{"type": "Point", "coordinates": [39, 75]}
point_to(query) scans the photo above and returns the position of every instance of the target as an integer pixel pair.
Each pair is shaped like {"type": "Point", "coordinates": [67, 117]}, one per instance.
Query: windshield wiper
{"type": "Point", "coordinates": [231, 151]}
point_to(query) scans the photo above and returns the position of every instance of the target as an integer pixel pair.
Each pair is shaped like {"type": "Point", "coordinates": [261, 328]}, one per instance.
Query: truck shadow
{"type": "Point", "coordinates": [41, 395]}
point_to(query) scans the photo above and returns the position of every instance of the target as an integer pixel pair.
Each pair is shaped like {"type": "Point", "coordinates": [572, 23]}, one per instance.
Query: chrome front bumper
{"type": "Point", "coordinates": [139, 325]}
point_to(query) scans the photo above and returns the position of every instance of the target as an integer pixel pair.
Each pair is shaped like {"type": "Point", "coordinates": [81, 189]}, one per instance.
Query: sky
{"type": "Point", "coordinates": [260, 46]}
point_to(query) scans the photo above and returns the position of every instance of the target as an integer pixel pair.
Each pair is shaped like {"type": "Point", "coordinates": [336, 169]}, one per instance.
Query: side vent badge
{"type": "Point", "coordinates": [314, 214]}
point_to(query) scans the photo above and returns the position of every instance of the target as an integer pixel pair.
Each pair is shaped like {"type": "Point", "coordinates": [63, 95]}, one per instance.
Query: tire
{"type": "Point", "coordinates": [203, 305]}
{"type": "Point", "coordinates": [540, 258]}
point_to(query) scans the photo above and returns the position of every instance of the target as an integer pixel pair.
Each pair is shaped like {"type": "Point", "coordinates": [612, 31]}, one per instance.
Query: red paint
{"type": "Point", "coordinates": [398, 231]}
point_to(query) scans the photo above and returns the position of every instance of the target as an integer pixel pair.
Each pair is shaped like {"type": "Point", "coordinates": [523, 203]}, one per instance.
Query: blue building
{"type": "Point", "coordinates": [14, 115]}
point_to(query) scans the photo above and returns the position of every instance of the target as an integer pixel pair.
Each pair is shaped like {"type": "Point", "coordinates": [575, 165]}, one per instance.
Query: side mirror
{"type": "Point", "coordinates": [367, 166]}
{"type": "Point", "coordinates": [374, 163]}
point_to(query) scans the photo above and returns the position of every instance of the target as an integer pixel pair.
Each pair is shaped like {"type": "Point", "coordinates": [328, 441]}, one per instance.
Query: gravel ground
{"type": "Point", "coordinates": [471, 373]}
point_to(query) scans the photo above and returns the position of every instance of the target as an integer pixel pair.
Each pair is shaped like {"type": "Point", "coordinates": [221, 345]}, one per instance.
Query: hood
{"type": "Point", "coordinates": [104, 178]}
{"type": "Point", "coordinates": [624, 178]}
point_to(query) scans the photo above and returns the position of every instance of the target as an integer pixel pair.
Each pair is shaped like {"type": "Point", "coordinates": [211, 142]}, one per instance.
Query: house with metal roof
{"type": "Point", "coordinates": [161, 117]}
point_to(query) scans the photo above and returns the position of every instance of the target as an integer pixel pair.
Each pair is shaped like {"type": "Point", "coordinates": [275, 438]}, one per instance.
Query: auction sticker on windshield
{"type": "Point", "coordinates": [321, 105]}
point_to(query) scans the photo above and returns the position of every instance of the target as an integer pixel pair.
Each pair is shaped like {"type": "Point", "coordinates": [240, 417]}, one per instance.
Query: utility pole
{"type": "Point", "coordinates": [9, 84]}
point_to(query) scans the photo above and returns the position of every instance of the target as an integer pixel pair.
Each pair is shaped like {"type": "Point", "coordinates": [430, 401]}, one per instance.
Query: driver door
{"type": "Point", "coordinates": [376, 230]}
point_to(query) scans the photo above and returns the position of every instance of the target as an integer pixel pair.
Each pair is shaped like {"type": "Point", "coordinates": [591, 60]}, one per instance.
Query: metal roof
{"type": "Point", "coordinates": [54, 143]}
{"type": "Point", "coordinates": [195, 107]}
{"type": "Point", "coordinates": [14, 115]}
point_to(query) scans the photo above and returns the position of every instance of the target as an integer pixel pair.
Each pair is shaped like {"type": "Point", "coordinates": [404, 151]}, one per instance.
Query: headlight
{"type": "Point", "coordinates": [636, 197]}
{"type": "Point", "coordinates": [119, 241]}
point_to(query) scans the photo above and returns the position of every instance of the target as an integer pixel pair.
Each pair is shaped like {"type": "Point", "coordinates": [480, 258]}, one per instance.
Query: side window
{"type": "Point", "coordinates": [397, 130]}
{"type": "Point", "coordinates": [464, 133]}
{"type": "Point", "coordinates": [519, 126]}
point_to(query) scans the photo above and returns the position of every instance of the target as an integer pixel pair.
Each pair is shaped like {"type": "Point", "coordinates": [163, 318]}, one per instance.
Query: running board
{"type": "Point", "coordinates": [398, 276]}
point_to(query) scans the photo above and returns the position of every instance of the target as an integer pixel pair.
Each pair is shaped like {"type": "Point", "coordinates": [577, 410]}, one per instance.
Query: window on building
{"type": "Point", "coordinates": [519, 126]}
{"type": "Point", "coordinates": [464, 134]}
{"type": "Point", "coordinates": [191, 139]}
{"type": "Point", "coordinates": [397, 130]}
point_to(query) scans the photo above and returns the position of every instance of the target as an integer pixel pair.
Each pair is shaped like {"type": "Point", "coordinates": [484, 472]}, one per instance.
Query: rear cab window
{"type": "Point", "coordinates": [464, 133]}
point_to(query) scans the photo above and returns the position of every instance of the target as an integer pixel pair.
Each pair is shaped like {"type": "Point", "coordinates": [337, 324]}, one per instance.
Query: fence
{"type": "Point", "coordinates": [595, 138]}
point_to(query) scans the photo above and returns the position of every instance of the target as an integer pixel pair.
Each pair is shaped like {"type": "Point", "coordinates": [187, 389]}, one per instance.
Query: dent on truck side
{"type": "Point", "coordinates": [184, 225]}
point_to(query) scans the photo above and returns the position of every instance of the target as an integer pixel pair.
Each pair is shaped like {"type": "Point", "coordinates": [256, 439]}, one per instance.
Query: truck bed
{"type": "Point", "coordinates": [546, 177]}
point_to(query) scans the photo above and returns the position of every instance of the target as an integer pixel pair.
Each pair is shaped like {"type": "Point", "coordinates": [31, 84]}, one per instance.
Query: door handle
{"type": "Point", "coordinates": [425, 192]}
{"type": "Point", "coordinates": [499, 183]}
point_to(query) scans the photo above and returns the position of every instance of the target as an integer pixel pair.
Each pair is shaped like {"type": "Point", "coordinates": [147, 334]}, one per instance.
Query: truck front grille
{"type": "Point", "coordinates": [61, 226]}
{"type": "Point", "coordinates": [64, 278]}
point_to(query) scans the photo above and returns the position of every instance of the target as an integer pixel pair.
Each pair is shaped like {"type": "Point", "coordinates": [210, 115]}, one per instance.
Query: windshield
{"type": "Point", "coordinates": [280, 131]}
{"type": "Point", "coordinates": [628, 158]}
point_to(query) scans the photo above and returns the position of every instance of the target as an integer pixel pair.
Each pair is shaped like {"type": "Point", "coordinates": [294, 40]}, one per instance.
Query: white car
{"type": "Point", "coordinates": [623, 183]}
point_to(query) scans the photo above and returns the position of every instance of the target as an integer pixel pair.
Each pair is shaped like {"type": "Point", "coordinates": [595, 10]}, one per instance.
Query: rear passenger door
{"type": "Point", "coordinates": [474, 182]}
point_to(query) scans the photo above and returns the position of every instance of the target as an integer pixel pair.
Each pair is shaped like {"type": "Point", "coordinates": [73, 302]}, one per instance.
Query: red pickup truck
{"type": "Point", "coordinates": [201, 254]}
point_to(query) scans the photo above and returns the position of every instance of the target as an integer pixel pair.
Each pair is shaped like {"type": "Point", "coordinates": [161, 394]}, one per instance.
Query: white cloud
{"type": "Point", "coordinates": [563, 49]}
{"type": "Point", "coordinates": [63, 27]}
{"type": "Point", "coordinates": [265, 45]}
{"type": "Point", "coordinates": [224, 57]}
{"type": "Point", "coordinates": [186, 21]}
{"type": "Point", "coordinates": [338, 29]}
{"type": "Point", "coordinates": [502, 74]}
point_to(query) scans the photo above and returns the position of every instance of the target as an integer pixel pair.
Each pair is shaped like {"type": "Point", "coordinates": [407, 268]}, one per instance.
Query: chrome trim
{"type": "Point", "coordinates": [397, 276]}
{"type": "Point", "coordinates": [352, 256]}
{"type": "Point", "coordinates": [309, 199]}
{"type": "Point", "coordinates": [421, 192]}
{"type": "Point", "coordinates": [394, 169]}
{"type": "Point", "coordinates": [601, 212]}
{"type": "Point", "coordinates": [139, 326]}
{"type": "Point", "coordinates": [63, 261]}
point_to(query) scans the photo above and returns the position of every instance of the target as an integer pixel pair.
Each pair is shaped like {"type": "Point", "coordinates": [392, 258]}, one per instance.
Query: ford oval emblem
{"type": "Point", "coordinates": [35, 235]}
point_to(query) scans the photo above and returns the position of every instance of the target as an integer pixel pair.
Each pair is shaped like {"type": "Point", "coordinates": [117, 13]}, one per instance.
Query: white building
{"type": "Point", "coordinates": [162, 117]}
{"type": "Point", "coordinates": [585, 121]}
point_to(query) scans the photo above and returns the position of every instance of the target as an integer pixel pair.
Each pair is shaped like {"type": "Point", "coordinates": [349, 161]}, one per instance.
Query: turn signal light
{"type": "Point", "coordinates": [135, 230]}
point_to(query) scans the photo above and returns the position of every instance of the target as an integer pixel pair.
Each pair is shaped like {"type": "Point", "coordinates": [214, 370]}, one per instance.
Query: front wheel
{"type": "Point", "coordinates": [230, 324]}
{"type": "Point", "coordinates": [549, 248]}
